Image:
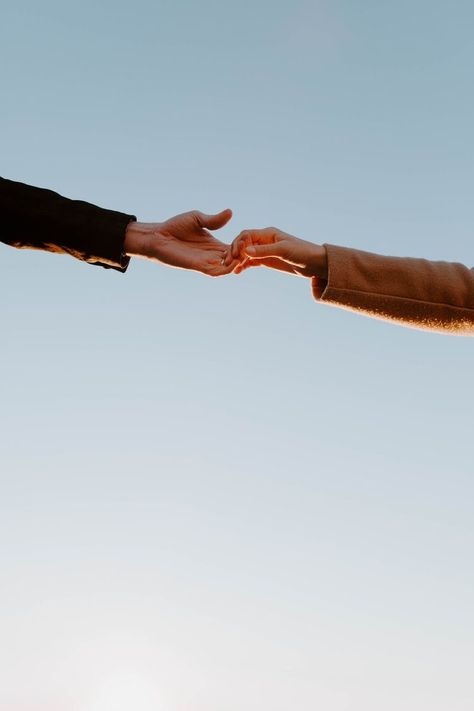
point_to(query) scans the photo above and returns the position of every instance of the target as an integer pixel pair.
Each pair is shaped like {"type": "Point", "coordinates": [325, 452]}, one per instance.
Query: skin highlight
{"type": "Point", "coordinates": [183, 242]}
{"type": "Point", "coordinates": [275, 249]}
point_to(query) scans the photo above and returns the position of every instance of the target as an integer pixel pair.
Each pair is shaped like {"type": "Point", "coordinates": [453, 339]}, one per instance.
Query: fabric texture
{"type": "Point", "coordinates": [36, 218]}
{"type": "Point", "coordinates": [437, 296]}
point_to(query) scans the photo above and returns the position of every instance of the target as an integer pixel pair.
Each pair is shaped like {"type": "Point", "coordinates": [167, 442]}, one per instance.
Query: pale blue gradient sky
{"type": "Point", "coordinates": [219, 495]}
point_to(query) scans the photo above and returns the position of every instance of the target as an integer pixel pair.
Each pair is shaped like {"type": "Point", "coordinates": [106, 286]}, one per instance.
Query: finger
{"type": "Point", "coordinates": [272, 263]}
{"type": "Point", "coordinates": [214, 222]}
{"type": "Point", "coordinates": [226, 263]}
{"type": "Point", "coordinates": [241, 266]}
{"type": "Point", "coordinates": [228, 257]}
{"type": "Point", "coordinates": [238, 244]}
{"type": "Point", "coordinates": [267, 236]}
{"type": "Point", "coordinates": [261, 251]}
{"type": "Point", "coordinates": [269, 262]}
{"type": "Point", "coordinates": [231, 253]}
{"type": "Point", "coordinates": [218, 268]}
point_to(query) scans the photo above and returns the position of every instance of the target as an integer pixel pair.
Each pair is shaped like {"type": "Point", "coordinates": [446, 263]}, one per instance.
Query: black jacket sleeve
{"type": "Point", "coordinates": [36, 218]}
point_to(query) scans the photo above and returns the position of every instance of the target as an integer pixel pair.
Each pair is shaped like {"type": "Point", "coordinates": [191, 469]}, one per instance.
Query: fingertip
{"type": "Point", "coordinates": [215, 221]}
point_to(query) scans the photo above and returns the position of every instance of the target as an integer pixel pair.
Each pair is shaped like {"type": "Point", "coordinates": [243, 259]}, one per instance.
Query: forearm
{"type": "Point", "coordinates": [37, 218]}
{"type": "Point", "coordinates": [437, 296]}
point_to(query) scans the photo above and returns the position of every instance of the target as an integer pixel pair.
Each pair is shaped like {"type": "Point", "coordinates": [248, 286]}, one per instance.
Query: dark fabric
{"type": "Point", "coordinates": [36, 218]}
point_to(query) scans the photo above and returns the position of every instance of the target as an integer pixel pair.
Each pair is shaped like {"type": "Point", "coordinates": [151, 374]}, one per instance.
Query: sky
{"type": "Point", "coordinates": [218, 494]}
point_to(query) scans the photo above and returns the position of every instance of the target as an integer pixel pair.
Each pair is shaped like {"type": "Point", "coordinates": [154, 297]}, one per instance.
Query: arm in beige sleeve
{"type": "Point", "coordinates": [437, 296]}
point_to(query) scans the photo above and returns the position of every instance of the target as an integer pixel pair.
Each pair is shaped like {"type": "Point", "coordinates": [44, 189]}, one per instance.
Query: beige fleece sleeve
{"type": "Point", "coordinates": [438, 296]}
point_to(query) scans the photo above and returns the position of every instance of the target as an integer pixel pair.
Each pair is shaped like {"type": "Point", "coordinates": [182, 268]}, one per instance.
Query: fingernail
{"type": "Point", "coordinates": [251, 250]}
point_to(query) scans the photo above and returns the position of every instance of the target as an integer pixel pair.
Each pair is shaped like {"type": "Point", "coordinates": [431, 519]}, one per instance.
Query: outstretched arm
{"type": "Point", "coordinates": [437, 296]}
{"type": "Point", "coordinates": [37, 218]}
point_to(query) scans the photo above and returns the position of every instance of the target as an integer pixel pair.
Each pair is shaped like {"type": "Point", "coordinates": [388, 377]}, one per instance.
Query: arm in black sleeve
{"type": "Point", "coordinates": [36, 218]}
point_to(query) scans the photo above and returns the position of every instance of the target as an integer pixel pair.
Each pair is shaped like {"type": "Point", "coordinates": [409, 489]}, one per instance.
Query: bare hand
{"type": "Point", "coordinates": [183, 242]}
{"type": "Point", "coordinates": [275, 249]}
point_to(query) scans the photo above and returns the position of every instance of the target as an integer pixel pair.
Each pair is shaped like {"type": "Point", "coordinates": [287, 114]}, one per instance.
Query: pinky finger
{"type": "Point", "coordinates": [242, 266]}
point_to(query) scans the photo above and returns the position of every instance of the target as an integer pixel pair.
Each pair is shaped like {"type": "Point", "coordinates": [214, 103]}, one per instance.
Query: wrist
{"type": "Point", "coordinates": [137, 239]}
{"type": "Point", "coordinates": [317, 264]}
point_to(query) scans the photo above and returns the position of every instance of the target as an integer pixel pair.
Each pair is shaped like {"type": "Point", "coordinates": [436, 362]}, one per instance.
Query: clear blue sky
{"type": "Point", "coordinates": [218, 495]}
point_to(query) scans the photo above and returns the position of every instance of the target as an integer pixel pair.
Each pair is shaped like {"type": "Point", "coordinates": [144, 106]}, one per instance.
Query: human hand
{"type": "Point", "coordinates": [183, 242]}
{"type": "Point", "coordinates": [275, 249]}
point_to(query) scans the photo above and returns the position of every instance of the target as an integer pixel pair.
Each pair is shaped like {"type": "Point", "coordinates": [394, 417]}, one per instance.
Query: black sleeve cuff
{"type": "Point", "coordinates": [37, 218]}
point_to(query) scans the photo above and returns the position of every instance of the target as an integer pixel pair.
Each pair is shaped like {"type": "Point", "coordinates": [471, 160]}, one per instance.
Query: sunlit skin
{"type": "Point", "coordinates": [183, 241]}
{"type": "Point", "coordinates": [275, 249]}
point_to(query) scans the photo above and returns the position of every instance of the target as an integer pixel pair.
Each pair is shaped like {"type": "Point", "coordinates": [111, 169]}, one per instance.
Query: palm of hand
{"type": "Point", "coordinates": [184, 242]}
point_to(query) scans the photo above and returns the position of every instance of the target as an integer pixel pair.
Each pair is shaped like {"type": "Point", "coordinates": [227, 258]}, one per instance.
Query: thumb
{"type": "Point", "coordinates": [214, 222]}
{"type": "Point", "coordinates": [260, 251]}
